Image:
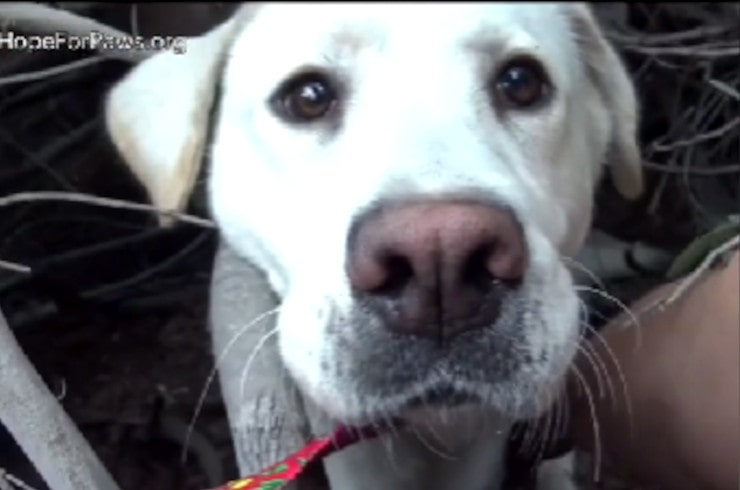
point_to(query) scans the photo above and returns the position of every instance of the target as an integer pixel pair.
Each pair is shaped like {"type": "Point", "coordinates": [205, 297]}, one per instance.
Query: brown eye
{"type": "Point", "coordinates": [522, 84]}
{"type": "Point", "coordinates": [306, 98]}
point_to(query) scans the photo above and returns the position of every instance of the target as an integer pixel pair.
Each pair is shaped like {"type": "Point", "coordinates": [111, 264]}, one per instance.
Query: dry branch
{"type": "Point", "coordinates": [49, 72]}
{"type": "Point", "coordinates": [41, 427]}
{"type": "Point", "coordinates": [102, 201]}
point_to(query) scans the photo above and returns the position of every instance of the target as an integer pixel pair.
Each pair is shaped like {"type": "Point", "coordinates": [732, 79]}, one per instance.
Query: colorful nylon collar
{"type": "Point", "coordinates": [280, 475]}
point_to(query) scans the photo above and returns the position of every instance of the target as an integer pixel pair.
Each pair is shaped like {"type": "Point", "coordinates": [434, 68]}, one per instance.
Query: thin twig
{"type": "Point", "coordinates": [14, 267]}
{"type": "Point", "coordinates": [49, 72]}
{"type": "Point", "coordinates": [646, 38]}
{"type": "Point", "coordinates": [9, 481]}
{"type": "Point", "coordinates": [725, 88]}
{"type": "Point", "coordinates": [705, 265]}
{"type": "Point", "coordinates": [135, 19]}
{"type": "Point", "coordinates": [709, 171]}
{"type": "Point", "coordinates": [687, 282]}
{"type": "Point", "coordinates": [38, 196]}
{"type": "Point", "coordinates": [686, 51]}
{"type": "Point", "coordinates": [700, 138]}
{"type": "Point", "coordinates": [11, 140]}
{"type": "Point", "coordinates": [151, 271]}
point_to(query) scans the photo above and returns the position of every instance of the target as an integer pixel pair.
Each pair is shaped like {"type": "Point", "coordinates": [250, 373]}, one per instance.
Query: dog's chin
{"type": "Point", "coordinates": [440, 405]}
{"type": "Point", "coordinates": [420, 407]}
{"type": "Point", "coordinates": [444, 397]}
{"type": "Point", "coordinates": [527, 392]}
{"type": "Point", "coordinates": [429, 407]}
{"type": "Point", "coordinates": [445, 402]}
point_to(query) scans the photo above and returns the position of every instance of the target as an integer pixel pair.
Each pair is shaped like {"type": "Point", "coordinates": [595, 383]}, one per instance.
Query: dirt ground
{"type": "Point", "coordinates": [132, 385]}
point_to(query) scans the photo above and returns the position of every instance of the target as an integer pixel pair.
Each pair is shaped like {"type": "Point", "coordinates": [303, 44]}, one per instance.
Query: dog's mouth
{"type": "Point", "coordinates": [438, 405]}
{"type": "Point", "coordinates": [442, 397]}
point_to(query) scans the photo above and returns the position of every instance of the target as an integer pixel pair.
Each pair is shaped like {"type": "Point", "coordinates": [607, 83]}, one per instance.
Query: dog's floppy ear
{"type": "Point", "coordinates": [609, 76]}
{"type": "Point", "coordinates": [157, 116]}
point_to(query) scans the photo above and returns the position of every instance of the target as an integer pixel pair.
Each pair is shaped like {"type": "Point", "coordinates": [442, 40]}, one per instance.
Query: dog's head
{"type": "Point", "coordinates": [408, 176]}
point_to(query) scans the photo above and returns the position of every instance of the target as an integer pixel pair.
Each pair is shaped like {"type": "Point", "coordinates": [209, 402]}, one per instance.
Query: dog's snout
{"type": "Point", "coordinates": [437, 269]}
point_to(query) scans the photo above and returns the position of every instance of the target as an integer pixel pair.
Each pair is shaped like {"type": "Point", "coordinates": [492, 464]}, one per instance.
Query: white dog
{"type": "Point", "coordinates": [409, 178]}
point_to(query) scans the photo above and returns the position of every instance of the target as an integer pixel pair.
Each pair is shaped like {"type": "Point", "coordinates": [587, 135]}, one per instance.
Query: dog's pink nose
{"type": "Point", "coordinates": [436, 269]}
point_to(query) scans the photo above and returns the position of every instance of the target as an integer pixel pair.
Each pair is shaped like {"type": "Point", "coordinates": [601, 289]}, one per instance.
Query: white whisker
{"type": "Point", "coordinates": [214, 371]}
{"type": "Point", "coordinates": [252, 356]}
{"type": "Point", "coordinates": [594, 422]}
{"type": "Point", "coordinates": [429, 446]}
{"type": "Point", "coordinates": [620, 373]}
{"type": "Point", "coordinates": [630, 314]}
{"type": "Point", "coordinates": [592, 275]}
{"type": "Point", "coordinates": [599, 369]}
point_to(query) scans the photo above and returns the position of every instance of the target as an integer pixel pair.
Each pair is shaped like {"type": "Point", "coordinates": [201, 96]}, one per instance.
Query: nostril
{"type": "Point", "coordinates": [475, 271]}
{"type": "Point", "coordinates": [508, 260]}
{"type": "Point", "coordinates": [399, 273]}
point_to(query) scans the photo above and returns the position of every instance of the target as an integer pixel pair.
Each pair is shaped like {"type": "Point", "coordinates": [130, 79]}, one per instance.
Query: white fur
{"type": "Point", "coordinates": [418, 122]}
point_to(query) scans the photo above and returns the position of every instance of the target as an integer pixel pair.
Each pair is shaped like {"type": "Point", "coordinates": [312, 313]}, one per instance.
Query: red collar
{"type": "Point", "coordinates": [279, 475]}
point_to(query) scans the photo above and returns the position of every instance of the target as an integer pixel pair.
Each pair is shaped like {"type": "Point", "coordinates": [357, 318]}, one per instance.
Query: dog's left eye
{"type": "Point", "coordinates": [306, 98]}
{"type": "Point", "coordinates": [522, 84]}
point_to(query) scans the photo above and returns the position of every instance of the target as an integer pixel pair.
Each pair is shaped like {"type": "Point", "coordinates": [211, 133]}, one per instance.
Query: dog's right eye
{"type": "Point", "coordinates": [305, 98]}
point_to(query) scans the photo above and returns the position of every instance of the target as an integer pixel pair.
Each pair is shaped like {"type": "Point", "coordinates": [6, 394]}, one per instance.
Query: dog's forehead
{"type": "Point", "coordinates": [295, 34]}
{"type": "Point", "coordinates": [445, 17]}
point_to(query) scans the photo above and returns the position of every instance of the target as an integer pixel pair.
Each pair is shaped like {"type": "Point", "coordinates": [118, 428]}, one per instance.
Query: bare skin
{"type": "Point", "coordinates": [682, 377]}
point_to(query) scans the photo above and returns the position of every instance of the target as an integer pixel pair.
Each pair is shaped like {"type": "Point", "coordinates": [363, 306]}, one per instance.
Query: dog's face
{"type": "Point", "coordinates": [409, 178]}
